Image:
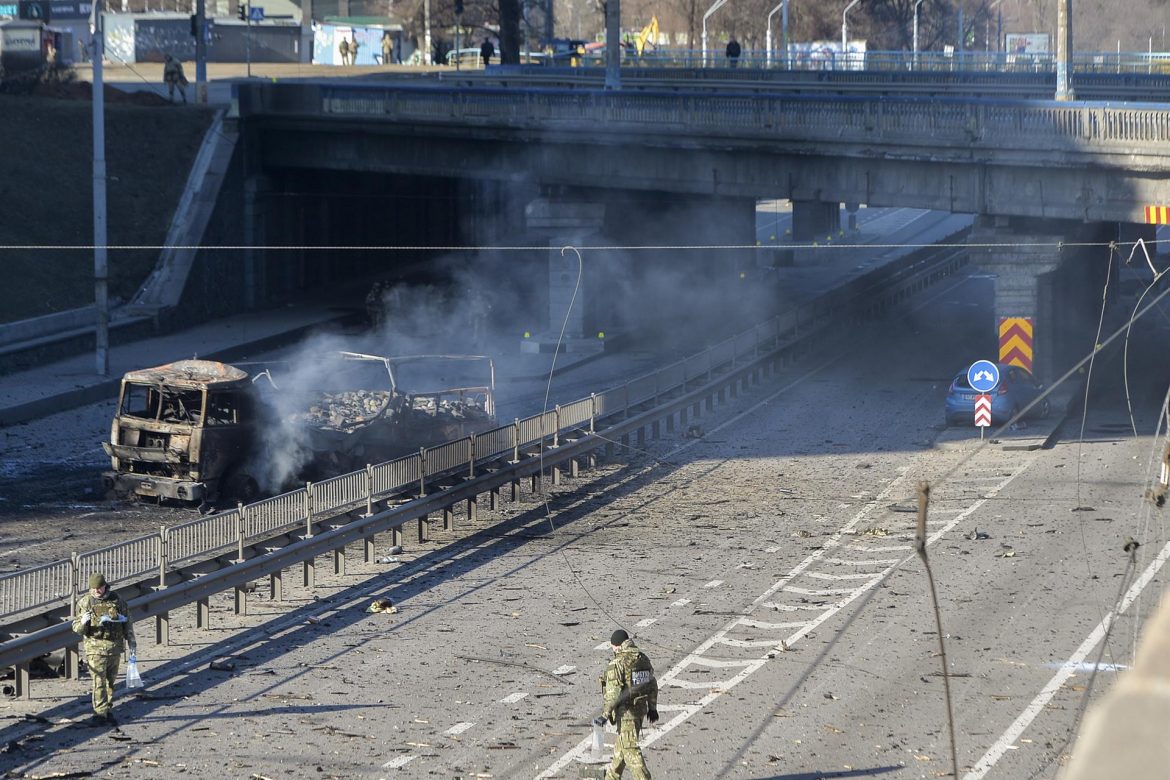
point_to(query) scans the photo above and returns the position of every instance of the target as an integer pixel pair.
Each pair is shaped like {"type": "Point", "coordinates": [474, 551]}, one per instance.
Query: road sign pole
{"type": "Point", "coordinates": [248, 42]}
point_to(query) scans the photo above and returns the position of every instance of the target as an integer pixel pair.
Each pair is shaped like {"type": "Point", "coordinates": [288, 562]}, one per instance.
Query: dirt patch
{"type": "Point", "coordinates": [46, 193]}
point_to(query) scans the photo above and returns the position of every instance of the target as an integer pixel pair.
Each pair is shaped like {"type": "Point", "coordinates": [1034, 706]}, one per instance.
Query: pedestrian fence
{"type": "Point", "coordinates": [57, 585]}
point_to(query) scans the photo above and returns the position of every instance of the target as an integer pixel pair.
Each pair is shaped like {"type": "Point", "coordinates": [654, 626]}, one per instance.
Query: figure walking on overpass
{"type": "Point", "coordinates": [631, 694]}
{"type": "Point", "coordinates": [343, 50]}
{"type": "Point", "coordinates": [103, 620]}
{"type": "Point", "coordinates": [486, 51]}
{"type": "Point", "coordinates": [733, 52]}
{"type": "Point", "coordinates": [173, 76]}
{"type": "Point", "coordinates": [387, 49]}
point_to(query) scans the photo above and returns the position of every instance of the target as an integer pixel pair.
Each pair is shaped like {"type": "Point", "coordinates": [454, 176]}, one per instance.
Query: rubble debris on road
{"type": "Point", "coordinates": [382, 605]}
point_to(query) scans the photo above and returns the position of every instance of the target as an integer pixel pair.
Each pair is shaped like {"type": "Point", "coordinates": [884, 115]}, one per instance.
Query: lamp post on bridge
{"type": "Point", "coordinates": [718, 4]}
{"type": "Point", "coordinates": [845, 33]}
{"type": "Point", "coordinates": [783, 8]}
{"type": "Point", "coordinates": [1064, 45]}
{"type": "Point", "coordinates": [916, 4]}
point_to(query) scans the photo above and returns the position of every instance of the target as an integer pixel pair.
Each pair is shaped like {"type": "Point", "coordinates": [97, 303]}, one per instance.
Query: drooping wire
{"type": "Point", "coordinates": [1089, 375]}
{"type": "Point", "coordinates": [1125, 358]}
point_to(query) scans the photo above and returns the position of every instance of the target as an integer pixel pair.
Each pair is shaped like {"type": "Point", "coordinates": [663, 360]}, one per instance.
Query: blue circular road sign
{"type": "Point", "coordinates": [983, 376]}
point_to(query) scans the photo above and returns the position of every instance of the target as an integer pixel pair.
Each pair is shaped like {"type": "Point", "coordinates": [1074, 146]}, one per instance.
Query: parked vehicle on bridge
{"type": "Point", "coordinates": [1016, 389]}
{"type": "Point", "coordinates": [199, 431]}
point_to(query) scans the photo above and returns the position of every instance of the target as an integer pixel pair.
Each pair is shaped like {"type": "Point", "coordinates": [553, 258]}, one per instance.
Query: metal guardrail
{"type": "Point", "coordinates": [34, 588]}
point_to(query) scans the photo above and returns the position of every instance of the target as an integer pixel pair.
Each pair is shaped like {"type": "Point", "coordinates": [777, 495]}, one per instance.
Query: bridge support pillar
{"type": "Point", "coordinates": [565, 223]}
{"type": "Point", "coordinates": [1042, 276]}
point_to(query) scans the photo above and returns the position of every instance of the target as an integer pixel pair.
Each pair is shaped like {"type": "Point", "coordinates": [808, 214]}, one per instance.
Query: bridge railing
{"type": "Point", "coordinates": [942, 123]}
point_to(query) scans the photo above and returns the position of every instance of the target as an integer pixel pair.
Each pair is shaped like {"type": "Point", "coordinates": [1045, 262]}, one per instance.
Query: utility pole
{"type": "Point", "coordinates": [613, 44]}
{"type": "Point", "coordinates": [200, 51]}
{"type": "Point", "coordinates": [427, 32]}
{"type": "Point", "coordinates": [100, 260]}
{"type": "Point", "coordinates": [1064, 46]}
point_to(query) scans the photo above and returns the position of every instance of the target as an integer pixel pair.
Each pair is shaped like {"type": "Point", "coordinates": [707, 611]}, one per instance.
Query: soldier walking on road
{"type": "Point", "coordinates": [631, 694]}
{"type": "Point", "coordinates": [343, 50]}
{"type": "Point", "coordinates": [103, 620]}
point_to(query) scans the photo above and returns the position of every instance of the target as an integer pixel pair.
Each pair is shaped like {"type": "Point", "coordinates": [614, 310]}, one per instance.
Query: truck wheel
{"type": "Point", "coordinates": [241, 486]}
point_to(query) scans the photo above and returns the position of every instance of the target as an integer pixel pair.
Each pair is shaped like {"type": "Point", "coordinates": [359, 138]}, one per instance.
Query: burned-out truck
{"type": "Point", "coordinates": [200, 431]}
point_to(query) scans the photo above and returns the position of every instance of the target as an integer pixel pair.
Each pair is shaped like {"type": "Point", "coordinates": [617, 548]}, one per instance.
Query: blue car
{"type": "Point", "coordinates": [1016, 389]}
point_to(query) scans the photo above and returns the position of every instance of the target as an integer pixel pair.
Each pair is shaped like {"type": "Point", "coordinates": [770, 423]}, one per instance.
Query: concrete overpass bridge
{"type": "Point", "coordinates": [559, 165]}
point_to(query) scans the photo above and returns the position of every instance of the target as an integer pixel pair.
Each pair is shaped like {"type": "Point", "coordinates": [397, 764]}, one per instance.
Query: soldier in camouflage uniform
{"type": "Point", "coordinates": [631, 694]}
{"type": "Point", "coordinates": [103, 619]}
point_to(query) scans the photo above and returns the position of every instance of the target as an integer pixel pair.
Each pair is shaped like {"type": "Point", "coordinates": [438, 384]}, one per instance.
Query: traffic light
{"type": "Point", "coordinates": [242, 12]}
{"type": "Point", "coordinates": [458, 7]}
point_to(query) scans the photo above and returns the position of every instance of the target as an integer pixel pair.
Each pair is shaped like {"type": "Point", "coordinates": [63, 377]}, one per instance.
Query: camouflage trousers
{"type": "Point", "coordinates": [627, 752]}
{"type": "Point", "coordinates": [103, 668]}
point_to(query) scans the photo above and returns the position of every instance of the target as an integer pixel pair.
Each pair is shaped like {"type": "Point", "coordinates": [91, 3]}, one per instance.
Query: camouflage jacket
{"type": "Point", "coordinates": [629, 684]}
{"type": "Point", "coordinates": [108, 635]}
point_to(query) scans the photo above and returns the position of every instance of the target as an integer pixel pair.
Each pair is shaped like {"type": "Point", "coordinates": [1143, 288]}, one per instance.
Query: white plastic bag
{"type": "Point", "coordinates": [133, 677]}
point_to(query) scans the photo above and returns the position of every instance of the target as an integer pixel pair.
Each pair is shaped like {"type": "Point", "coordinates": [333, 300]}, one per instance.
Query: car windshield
{"type": "Point", "coordinates": [961, 382]}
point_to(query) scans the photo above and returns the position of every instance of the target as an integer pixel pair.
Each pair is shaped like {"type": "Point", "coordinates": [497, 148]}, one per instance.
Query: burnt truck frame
{"type": "Point", "coordinates": [181, 431]}
{"type": "Point", "coordinates": [194, 430]}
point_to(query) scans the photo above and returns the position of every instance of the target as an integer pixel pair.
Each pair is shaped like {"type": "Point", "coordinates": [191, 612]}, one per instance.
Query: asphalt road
{"type": "Point", "coordinates": [767, 568]}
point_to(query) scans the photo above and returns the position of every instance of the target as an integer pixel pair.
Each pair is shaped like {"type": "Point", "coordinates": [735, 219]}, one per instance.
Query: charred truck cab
{"type": "Point", "coordinates": [181, 431]}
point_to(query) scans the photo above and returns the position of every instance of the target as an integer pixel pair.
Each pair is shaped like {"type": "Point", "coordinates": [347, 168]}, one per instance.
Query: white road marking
{"type": "Point", "coordinates": [512, 698]}
{"type": "Point", "coordinates": [713, 584]}
{"type": "Point", "coordinates": [770, 626]}
{"type": "Point", "coordinates": [646, 622]}
{"type": "Point", "coordinates": [1067, 670]}
{"type": "Point", "coordinates": [681, 603]}
{"type": "Point", "coordinates": [889, 548]}
{"type": "Point", "coordinates": [820, 575]}
{"type": "Point", "coordinates": [398, 763]}
{"type": "Point", "coordinates": [817, 591]}
{"type": "Point", "coordinates": [773, 549]}
{"type": "Point", "coordinates": [717, 689]}
{"type": "Point", "coordinates": [459, 728]}
{"type": "Point", "coordinates": [872, 562]}
{"type": "Point", "coordinates": [603, 646]}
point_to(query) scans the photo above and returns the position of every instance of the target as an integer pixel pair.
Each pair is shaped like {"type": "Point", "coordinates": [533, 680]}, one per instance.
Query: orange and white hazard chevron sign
{"type": "Point", "coordinates": [983, 410]}
{"type": "Point", "coordinates": [1015, 341]}
{"type": "Point", "coordinates": [1158, 215]}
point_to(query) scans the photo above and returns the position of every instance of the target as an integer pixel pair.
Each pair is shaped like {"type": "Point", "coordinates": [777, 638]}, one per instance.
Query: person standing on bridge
{"type": "Point", "coordinates": [103, 621]}
{"type": "Point", "coordinates": [173, 76]}
{"type": "Point", "coordinates": [733, 52]}
{"type": "Point", "coordinates": [387, 49]}
{"type": "Point", "coordinates": [343, 50]}
{"type": "Point", "coordinates": [486, 51]}
{"type": "Point", "coordinates": [353, 47]}
{"type": "Point", "coordinates": [631, 694]}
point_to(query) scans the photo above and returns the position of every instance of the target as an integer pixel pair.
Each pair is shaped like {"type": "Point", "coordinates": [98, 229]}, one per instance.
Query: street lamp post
{"type": "Point", "coordinates": [718, 4]}
{"type": "Point", "coordinates": [1064, 46]}
{"type": "Point", "coordinates": [783, 7]}
{"type": "Point", "coordinates": [100, 265]}
{"type": "Point", "coordinates": [845, 32]}
{"type": "Point", "coordinates": [916, 4]}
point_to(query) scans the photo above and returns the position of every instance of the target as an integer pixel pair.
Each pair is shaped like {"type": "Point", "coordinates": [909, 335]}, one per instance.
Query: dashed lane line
{"type": "Point", "coordinates": [459, 728]}
{"type": "Point", "coordinates": [512, 698]}
{"type": "Point", "coordinates": [398, 763]}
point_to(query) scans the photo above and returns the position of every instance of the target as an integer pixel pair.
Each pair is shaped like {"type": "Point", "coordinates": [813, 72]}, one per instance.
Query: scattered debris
{"type": "Point", "coordinates": [387, 559]}
{"type": "Point", "coordinates": [693, 432]}
{"type": "Point", "coordinates": [221, 665]}
{"type": "Point", "coordinates": [383, 605]}
{"type": "Point", "coordinates": [977, 535]}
